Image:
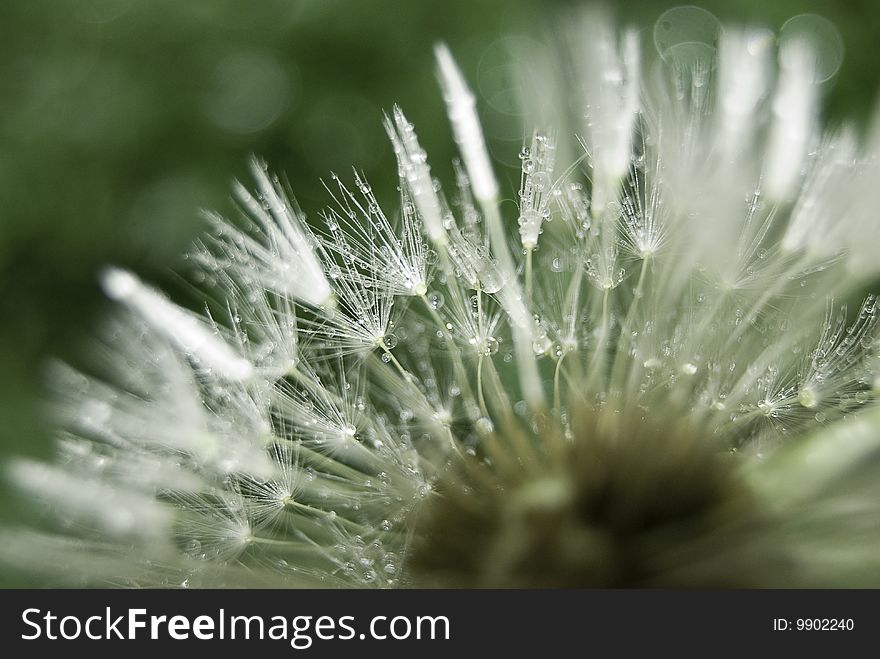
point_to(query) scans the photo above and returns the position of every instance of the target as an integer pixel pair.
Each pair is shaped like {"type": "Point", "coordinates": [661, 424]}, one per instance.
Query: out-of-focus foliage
{"type": "Point", "coordinates": [119, 119]}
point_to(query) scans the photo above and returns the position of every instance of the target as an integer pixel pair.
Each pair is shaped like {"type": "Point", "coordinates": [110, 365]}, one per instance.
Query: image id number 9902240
{"type": "Point", "coordinates": [813, 624]}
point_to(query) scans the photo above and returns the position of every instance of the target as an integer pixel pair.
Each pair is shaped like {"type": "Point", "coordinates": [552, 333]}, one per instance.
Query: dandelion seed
{"type": "Point", "coordinates": [280, 257]}
{"type": "Point", "coordinates": [416, 175]}
{"type": "Point", "coordinates": [793, 109]}
{"type": "Point", "coordinates": [362, 235]}
{"type": "Point", "coordinates": [536, 188]}
{"type": "Point", "coordinates": [190, 333]}
{"type": "Point", "coordinates": [461, 107]}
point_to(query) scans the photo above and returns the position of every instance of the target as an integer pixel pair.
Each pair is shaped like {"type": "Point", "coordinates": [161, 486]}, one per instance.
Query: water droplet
{"type": "Point", "coordinates": [541, 345]}
{"type": "Point", "coordinates": [529, 219]}
{"type": "Point", "coordinates": [484, 425]}
{"type": "Point", "coordinates": [808, 397]}
{"type": "Point", "coordinates": [540, 181]}
{"type": "Point", "coordinates": [436, 299]}
{"type": "Point", "coordinates": [389, 341]}
{"type": "Point", "coordinates": [489, 346]}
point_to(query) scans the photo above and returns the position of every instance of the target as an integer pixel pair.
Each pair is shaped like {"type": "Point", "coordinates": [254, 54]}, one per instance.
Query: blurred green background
{"type": "Point", "coordinates": [120, 119]}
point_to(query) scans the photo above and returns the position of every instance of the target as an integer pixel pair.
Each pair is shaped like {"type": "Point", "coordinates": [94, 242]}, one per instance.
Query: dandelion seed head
{"type": "Point", "coordinates": [632, 376]}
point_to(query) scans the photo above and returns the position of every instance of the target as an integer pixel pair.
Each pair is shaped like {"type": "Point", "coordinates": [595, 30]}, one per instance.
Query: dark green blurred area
{"type": "Point", "coordinates": [120, 119]}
